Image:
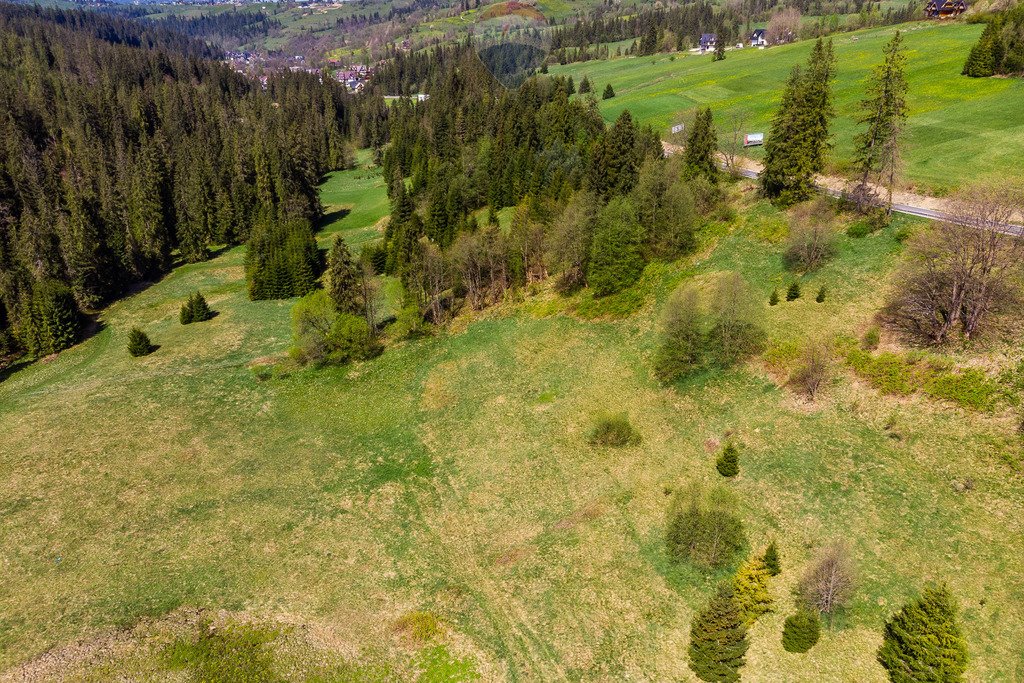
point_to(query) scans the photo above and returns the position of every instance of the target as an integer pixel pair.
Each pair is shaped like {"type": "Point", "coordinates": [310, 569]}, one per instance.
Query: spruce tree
{"type": "Point", "coordinates": [793, 293]}
{"type": "Point", "coordinates": [771, 559]}
{"type": "Point", "coordinates": [585, 86]}
{"type": "Point", "coordinates": [923, 641]}
{"type": "Point", "coordinates": [343, 281]}
{"type": "Point", "coordinates": [728, 463]}
{"type": "Point", "coordinates": [138, 343]}
{"type": "Point", "coordinates": [774, 298]}
{"type": "Point", "coordinates": [701, 147]}
{"type": "Point", "coordinates": [820, 298]}
{"type": "Point", "coordinates": [616, 253]}
{"type": "Point", "coordinates": [877, 152]}
{"type": "Point", "coordinates": [801, 631]}
{"type": "Point", "coordinates": [52, 321]}
{"type": "Point", "coordinates": [609, 92]}
{"type": "Point", "coordinates": [718, 638]}
{"type": "Point", "coordinates": [981, 61]}
{"type": "Point", "coordinates": [195, 310]}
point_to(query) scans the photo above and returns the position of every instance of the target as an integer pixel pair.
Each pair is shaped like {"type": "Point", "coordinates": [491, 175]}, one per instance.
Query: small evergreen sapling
{"type": "Point", "coordinates": [801, 630]}
{"type": "Point", "coordinates": [718, 638]}
{"type": "Point", "coordinates": [771, 560]}
{"type": "Point", "coordinates": [609, 92]}
{"type": "Point", "coordinates": [138, 343]}
{"type": "Point", "coordinates": [774, 298]}
{"type": "Point", "coordinates": [793, 293]}
{"type": "Point", "coordinates": [195, 310]}
{"type": "Point", "coordinates": [728, 463]}
{"type": "Point", "coordinates": [821, 295]}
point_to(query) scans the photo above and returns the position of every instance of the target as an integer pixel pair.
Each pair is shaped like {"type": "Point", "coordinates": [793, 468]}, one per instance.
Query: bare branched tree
{"type": "Point", "coordinates": [961, 271]}
{"type": "Point", "coordinates": [811, 242]}
{"type": "Point", "coordinates": [829, 583]}
{"type": "Point", "coordinates": [783, 27]}
{"type": "Point", "coordinates": [733, 147]}
{"type": "Point", "coordinates": [814, 370]}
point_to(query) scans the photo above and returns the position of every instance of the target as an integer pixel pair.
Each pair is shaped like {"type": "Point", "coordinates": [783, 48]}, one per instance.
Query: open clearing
{"type": "Point", "coordinates": [961, 130]}
{"type": "Point", "coordinates": [452, 476]}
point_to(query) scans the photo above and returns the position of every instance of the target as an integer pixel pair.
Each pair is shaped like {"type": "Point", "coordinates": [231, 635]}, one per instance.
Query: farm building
{"type": "Point", "coordinates": [708, 41]}
{"type": "Point", "coordinates": [759, 38]}
{"type": "Point", "coordinates": [941, 9]}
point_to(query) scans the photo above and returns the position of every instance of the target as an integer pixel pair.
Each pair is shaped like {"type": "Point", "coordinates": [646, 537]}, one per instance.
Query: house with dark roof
{"type": "Point", "coordinates": [759, 38]}
{"type": "Point", "coordinates": [708, 41]}
{"type": "Point", "coordinates": [942, 9]}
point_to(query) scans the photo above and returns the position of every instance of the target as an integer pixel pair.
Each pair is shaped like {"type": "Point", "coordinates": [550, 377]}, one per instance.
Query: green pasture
{"type": "Point", "coordinates": [960, 130]}
{"type": "Point", "coordinates": [447, 488]}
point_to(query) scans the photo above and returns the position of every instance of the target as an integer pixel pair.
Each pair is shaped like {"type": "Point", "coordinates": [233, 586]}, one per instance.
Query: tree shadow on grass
{"type": "Point", "coordinates": [331, 217]}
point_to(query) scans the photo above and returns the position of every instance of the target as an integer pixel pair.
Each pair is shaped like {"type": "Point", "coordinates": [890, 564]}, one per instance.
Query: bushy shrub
{"type": "Point", "coordinates": [322, 335]}
{"type": "Point", "coordinates": [138, 343]}
{"type": "Point", "coordinates": [801, 630]}
{"type": "Point", "coordinates": [820, 298]}
{"type": "Point", "coordinates": [614, 430]}
{"type": "Point", "coordinates": [703, 528]}
{"type": "Point", "coordinates": [195, 310]}
{"type": "Point", "coordinates": [728, 463]}
{"type": "Point", "coordinates": [871, 338]}
{"type": "Point", "coordinates": [683, 342]}
{"type": "Point", "coordinates": [808, 248]}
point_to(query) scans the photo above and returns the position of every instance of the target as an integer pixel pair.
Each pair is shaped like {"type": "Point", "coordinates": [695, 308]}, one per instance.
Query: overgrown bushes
{"type": "Point", "coordinates": [801, 631]}
{"type": "Point", "coordinates": [321, 335]}
{"type": "Point", "coordinates": [614, 430]}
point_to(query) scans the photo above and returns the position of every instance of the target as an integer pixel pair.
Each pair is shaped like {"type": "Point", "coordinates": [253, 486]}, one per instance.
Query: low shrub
{"type": "Point", "coordinates": [774, 298]}
{"type": "Point", "coordinates": [801, 631]}
{"type": "Point", "coordinates": [871, 338]}
{"type": "Point", "coordinates": [615, 431]}
{"type": "Point", "coordinates": [969, 388]}
{"type": "Point", "coordinates": [820, 298]}
{"type": "Point", "coordinates": [771, 559]}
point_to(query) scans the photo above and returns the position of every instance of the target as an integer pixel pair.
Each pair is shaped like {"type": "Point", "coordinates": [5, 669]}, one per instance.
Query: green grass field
{"type": "Point", "coordinates": [960, 130]}
{"type": "Point", "coordinates": [447, 489]}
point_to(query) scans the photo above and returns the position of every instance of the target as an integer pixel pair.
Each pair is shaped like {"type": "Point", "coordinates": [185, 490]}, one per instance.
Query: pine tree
{"type": "Point", "coordinates": [877, 151]}
{"type": "Point", "coordinates": [609, 92]}
{"type": "Point", "coordinates": [801, 631]}
{"type": "Point", "coordinates": [195, 310]}
{"type": "Point", "coordinates": [585, 86]}
{"type": "Point", "coordinates": [719, 48]}
{"type": "Point", "coordinates": [701, 147]}
{"type": "Point", "coordinates": [820, 298]}
{"type": "Point", "coordinates": [923, 641]}
{"type": "Point", "coordinates": [751, 589]}
{"type": "Point", "coordinates": [138, 343]}
{"type": "Point", "coordinates": [981, 61]}
{"type": "Point", "coordinates": [774, 298]}
{"type": "Point", "coordinates": [771, 559]}
{"type": "Point", "coordinates": [51, 321]}
{"type": "Point", "coordinates": [793, 293]}
{"type": "Point", "coordinates": [718, 639]}
{"type": "Point", "coordinates": [343, 280]}
{"type": "Point", "coordinates": [728, 463]}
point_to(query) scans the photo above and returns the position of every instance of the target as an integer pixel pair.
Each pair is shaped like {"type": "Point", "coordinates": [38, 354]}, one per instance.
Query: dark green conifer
{"type": "Point", "coordinates": [701, 147]}
{"type": "Point", "coordinates": [728, 463]}
{"type": "Point", "coordinates": [801, 630]}
{"type": "Point", "coordinates": [609, 92]}
{"type": "Point", "coordinates": [343, 282]}
{"type": "Point", "coordinates": [195, 310]}
{"type": "Point", "coordinates": [923, 642]}
{"type": "Point", "coordinates": [616, 254]}
{"type": "Point", "coordinates": [774, 298]}
{"type": "Point", "coordinates": [820, 298]}
{"type": "Point", "coordinates": [718, 638]}
{"type": "Point", "coordinates": [771, 559]}
{"type": "Point", "coordinates": [793, 293]}
{"type": "Point", "coordinates": [138, 343]}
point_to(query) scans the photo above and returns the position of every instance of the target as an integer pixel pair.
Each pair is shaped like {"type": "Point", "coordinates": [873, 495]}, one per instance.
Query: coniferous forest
{"type": "Point", "coordinates": [126, 149]}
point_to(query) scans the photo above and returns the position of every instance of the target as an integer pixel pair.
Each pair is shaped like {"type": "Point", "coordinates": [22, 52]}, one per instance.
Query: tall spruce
{"type": "Point", "coordinates": [877, 152]}
{"type": "Point", "coordinates": [343, 279]}
{"type": "Point", "coordinates": [718, 638]}
{"type": "Point", "coordinates": [701, 147]}
{"type": "Point", "coordinates": [923, 641]}
{"type": "Point", "coordinates": [798, 144]}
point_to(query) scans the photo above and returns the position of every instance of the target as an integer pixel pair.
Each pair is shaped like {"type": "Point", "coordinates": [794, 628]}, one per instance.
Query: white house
{"type": "Point", "coordinates": [759, 38]}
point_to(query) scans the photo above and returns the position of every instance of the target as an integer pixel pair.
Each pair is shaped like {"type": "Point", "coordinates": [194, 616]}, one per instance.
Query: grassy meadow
{"type": "Point", "coordinates": [960, 130]}
{"type": "Point", "coordinates": [437, 514]}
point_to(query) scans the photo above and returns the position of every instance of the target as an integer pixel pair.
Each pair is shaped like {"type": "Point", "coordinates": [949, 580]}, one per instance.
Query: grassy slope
{"type": "Point", "coordinates": [961, 130]}
{"type": "Point", "coordinates": [452, 475]}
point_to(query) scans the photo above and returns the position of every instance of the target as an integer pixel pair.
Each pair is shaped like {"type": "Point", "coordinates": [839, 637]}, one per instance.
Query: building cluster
{"type": "Point", "coordinates": [354, 76]}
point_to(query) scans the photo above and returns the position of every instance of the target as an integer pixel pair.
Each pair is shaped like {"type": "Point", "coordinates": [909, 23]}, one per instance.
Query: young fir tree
{"type": "Point", "coordinates": [585, 86]}
{"type": "Point", "coordinates": [771, 559]}
{"type": "Point", "coordinates": [793, 293]}
{"type": "Point", "coordinates": [728, 463]}
{"type": "Point", "coordinates": [701, 147]}
{"type": "Point", "coordinates": [343, 279]}
{"type": "Point", "coordinates": [820, 297]}
{"type": "Point", "coordinates": [981, 61]}
{"type": "Point", "coordinates": [877, 152]}
{"type": "Point", "coordinates": [609, 92]}
{"type": "Point", "coordinates": [718, 638]}
{"type": "Point", "coordinates": [751, 589]}
{"type": "Point", "coordinates": [719, 48]}
{"type": "Point", "coordinates": [801, 631]}
{"type": "Point", "coordinates": [51, 320]}
{"type": "Point", "coordinates": [195, 310]}
{"type": "Point", "coordinates": [774, 298]}
{"type": "Point", "coordinates": [138, 343]}
{"type": "Point", "coordinates": [923, 641]}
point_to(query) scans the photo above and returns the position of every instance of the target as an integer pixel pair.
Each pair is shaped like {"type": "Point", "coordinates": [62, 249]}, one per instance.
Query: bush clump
{"type": "Point", "coordinates": [728, 463]}
{"type": "Point", "coordinates": [195, 310]}
{"type": "Point", "coordinates": [615, 431]}
{"type": "Point", "coordinates": [703, 528]}
{"type": "Point", "coordinates": [801, 630]}
{"type": "Point", "coordinates": [323, 336]}
{"type": "Point", "coordinates": [139, 344]}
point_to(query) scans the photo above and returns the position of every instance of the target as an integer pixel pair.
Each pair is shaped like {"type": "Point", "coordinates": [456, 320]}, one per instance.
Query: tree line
{"type": "Point", "coordinates": [1000, 49]}
{"type": "Point", "coordinates": [125, 150]}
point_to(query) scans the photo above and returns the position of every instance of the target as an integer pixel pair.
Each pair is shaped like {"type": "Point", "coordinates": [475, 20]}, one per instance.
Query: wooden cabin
{"type": "Point", "coordinates": [943, 9]}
